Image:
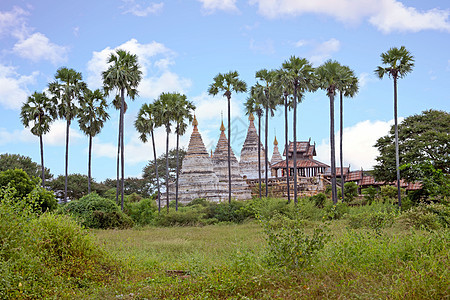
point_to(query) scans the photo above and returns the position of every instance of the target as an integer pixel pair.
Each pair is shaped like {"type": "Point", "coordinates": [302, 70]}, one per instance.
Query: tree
{"type": "Point", "coordinates": [272, 99]}
{"type": "Point", "coordinates": [184, 111]}
{"type": "Point", "coordinates": [39, 112]}
{"type": "Point", "coordinates": [122, 75]}
{"type": "Point", "coordinates": [77, 186]}
{"type": "Point", "coordinates": [300, 78]}
{"type": "Point", "coordinates": [17, 161]}
{"type": "Point", "coordinates": [149, 171]}
{"type": "Point", "coordinates": [423, 139]}
{"type": "Point", "coordinates": [145, 124]}
{"type": "Point", "coordinates": [67, 90]}
{"type": "Point", "coordinates": [348, 87]}
{"type": "Point", "coordinates": [328, 75]}
{"type": "Point", "coordinates": [132, 185]}
{"type": "Point", "coordinates": [398, 62]}
{"type": "Point", "coordinates": [283, 82]}
{"type": "Point", "coordinates": [253, 105]}
{"type": "Point", "coordinates": [228, 83]}
{"type": "Point", "coordinates": [91, 117]}
{"type": "Point", "coordinates": [166, 110]}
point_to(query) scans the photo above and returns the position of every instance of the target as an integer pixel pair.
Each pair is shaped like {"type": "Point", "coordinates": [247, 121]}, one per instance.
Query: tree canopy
{"type": "Point", "coordinates": [17, 161]}
{"type": "Point", "coordinates": [423, 138]}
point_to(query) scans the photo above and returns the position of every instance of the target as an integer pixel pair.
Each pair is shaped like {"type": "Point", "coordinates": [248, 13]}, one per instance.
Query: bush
{"type": "Point", "coordinates": [374, 220]}
{"type": "Point", "coordinates": [93, 211]}
{"type": "Point", "coordinates": [336, 211]}
{"type": "Point", "coordinates": [288, 245]}
{"type": "Point", "coordinates": [427, 216]}
{"type": "Point", "coordinates": [369, 194]}
{"type": "Point", "coordinates": [350, 191]}
{"type": "Point", "coordinates": [26, 187]}
{"type": "Point", "coordinates": [319, 199]}
{"type": "Point", "coordinates": [142, 212]}
{"type": "Point", "coordinates": [236, 211]}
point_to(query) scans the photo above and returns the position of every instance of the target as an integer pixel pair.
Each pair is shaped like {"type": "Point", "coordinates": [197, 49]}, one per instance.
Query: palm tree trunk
{"type": "Point", "coordinates": [397, 158]}
{"type": "Point", "coordinates": [286, 145]}
{"type": "Point", "coordinates": [266, 133]}
{"type": "Point", "coordinates": [295, 143]}
{"type": "Point", "coordinates": [332, 147]}
{"type": "Point", "coordinates": [42, 160]}
{"type": "Point", "coordinates": [67, 159]}
{"type": "Point", "coordinates": [259, 153]}
{"type": "Point", "coordinates": [229, 149]}
{"type": "Point", "coordinates": [341, 154]}
{"type": "Point", "coordinates": [89, 164]}
{"type": "Point", "coordinates": [156, 171]}
{"type": "Point", "coordinates": [118, 159]}
{"type": "Point", "coordinates": [167, 168]}
{"type": "Point", "coordinates": [122, 148]}
{"type": "Point", "coordinates": [176, 180]}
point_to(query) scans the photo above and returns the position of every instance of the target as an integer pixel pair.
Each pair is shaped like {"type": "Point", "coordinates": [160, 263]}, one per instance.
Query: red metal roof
{"type": "Point", "coordinates": [354, 176]}
{"type": "Point", "coordinates": [338, 171]}
{"type": "Point", "coordinates": [302, 147]}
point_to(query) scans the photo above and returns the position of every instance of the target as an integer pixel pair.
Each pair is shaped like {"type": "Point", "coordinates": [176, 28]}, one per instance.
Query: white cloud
{"type": "Point", "coordinates": [13, 87]}
{"type": "Point", "coordinates": [358, 144]}
{"type": "Point", "coordinates": [13, 22]}
{"type": "Point", "coordinates": [141, 9]}
{"type": "Point", "coordinates": [324, 51]}
{"type": "Point", "coordinates": [210, 6]}
{"type": "Point", "coordinates": [365, 78]}
{"type": "Point", "coordinates": [38, 47]}
{"type": "Point", "coordinates": [211, 108]}
{"type": "Point", "coordinates": [266, 47]}
{"type": "Point", "coordinates": [385, 15]}
{"type": "Point", "coordinates": [300, 43]}
{"type": "Point", "coordinates": [57, 134]}
{"type": "Point", "coordinates": [154, 59]}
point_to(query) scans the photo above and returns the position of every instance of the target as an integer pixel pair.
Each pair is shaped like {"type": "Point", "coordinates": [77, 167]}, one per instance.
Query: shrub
{"type": "Point", "coordinates": [369, 194]}
{"type": "Point", "coordinates": [336, 211]}
{"type": "Point", "coordinates": [288, 245]}
{"type": "Point", "coordinates": [142, 212]}
{"type": "Point", "coordinates": [427, 216]}
{"type": "Point", "coordinates": [236, 211]}
{"type": "Point", "coordinates": [350, 191]}
{"type": "Point", "coordinates": [93, 211]}
{"type": "Point", "coordinates": [319, 199]}
{"type": "Point", "coordinates": [374, 220]}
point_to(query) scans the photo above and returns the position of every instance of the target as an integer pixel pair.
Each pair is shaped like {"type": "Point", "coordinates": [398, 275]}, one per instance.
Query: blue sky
{"type": "Point", "coordinates": [182, 45]}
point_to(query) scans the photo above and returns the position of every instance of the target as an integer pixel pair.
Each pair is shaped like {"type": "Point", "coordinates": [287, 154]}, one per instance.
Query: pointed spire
{"type": "Point", "coordinates": [222, 128]}
{"type": "Point", "coordinates": [275, 142]}
{"type": "Point", "coordinates": [195, 123]}
{"type": "Point", "coordinates": [251, 117]}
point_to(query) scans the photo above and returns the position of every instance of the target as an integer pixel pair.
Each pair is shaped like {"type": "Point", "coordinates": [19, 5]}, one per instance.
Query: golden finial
{"type": "Point", "coordinates": [251, 117]}
{"type": "Point", "coordinates": [275, 142]}
{"type": "Point", "coordinates": [195, 122]}
{"type": "Point", "coordinates": [222, 128]}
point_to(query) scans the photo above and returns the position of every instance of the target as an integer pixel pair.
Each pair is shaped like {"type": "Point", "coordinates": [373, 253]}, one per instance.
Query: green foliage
{"type": "Point", "coordinates": [369, 194]}
{"type": "Point", "coordinates": [427, 216]}
{"type": "Point", "coordinates": [236, 211]}
{"type": "Point", "coordinates": [77, 186]}
{"type": "Point", "coordinates": [373, 220]}
{"type": "Point", "coordinates": [142, 212]}
{"type": "Point", "coordinates": [25, 188]}
{"type": "Point", "coordinates": [422, 138]}
{"type": "Point", "coordinates": [319, 200]}
{"type": "Point", "coordinates": [288, 245]}
{"type": "Point", "coordinates": [336, 211]}
{"type": "Point", "coordinates": [182, 217]}
{"type": "Point", "coordinates": [16, 161]}
{"type": "Point", "coordinates": [93, 211]}
{"type": "Point", "coordinates": [350, 191]}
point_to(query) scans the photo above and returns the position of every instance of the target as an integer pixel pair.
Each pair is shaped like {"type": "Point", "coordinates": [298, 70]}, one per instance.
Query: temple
{"type": "Point", "coordinates": [249, 153]}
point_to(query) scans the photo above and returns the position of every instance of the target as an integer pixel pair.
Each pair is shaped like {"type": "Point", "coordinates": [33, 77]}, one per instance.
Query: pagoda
{"type": "Point", "coordinates": [197, 178]}
{"type": "Point", "coordinates": [249, 153]}
{"type": "Point", "coordinates": [276, 157]}
{"type": "Point", "coordinates": [239, 188]}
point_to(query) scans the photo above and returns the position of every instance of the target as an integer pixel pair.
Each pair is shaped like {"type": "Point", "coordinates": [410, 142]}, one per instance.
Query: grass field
{"type": "Point", "coordinates": [227, 262]}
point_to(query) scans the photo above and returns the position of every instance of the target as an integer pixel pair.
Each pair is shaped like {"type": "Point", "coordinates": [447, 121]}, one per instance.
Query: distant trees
{"type": "Point", "coordinates": [397, 63]}
{"type": "Point", "coordinates": [39, 112]}
{"type": "Point", "coordinates": [17, 161]}
{"type": "Point", "coordinates": [228, 83]}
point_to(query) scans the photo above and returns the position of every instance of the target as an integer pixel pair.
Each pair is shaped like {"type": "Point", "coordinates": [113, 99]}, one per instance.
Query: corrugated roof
{"type": "Point", "coordinates": [338, 171]}
{"type": "Point", "coordinates": [302, 147]}
{"type": "Point", "coordinates": [301, 163]}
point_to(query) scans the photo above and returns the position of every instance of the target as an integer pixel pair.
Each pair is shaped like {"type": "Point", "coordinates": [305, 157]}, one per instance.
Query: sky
{"type": "Point", "coordinates": [182, 44]}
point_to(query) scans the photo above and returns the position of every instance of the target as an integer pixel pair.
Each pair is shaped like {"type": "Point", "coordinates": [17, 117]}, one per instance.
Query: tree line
{"type": "Point", "coordinates": [69, 99]}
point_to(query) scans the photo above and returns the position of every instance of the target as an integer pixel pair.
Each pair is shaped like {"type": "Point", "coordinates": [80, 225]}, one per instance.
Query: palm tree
{"type": "Point", "coordinates": [399, 62]}
{"type": "Point", "coordinates": [145, 123]}
{"type": "Point", "coordinates": [282, 80]}
{"type": "Point", "coordinates": [228, 83]}
{"type": "Point", "coordinates": [253, 105]}
{"type": "Point", "coordinates": [166, 106]}
{"type": "Point", "coordinates": [67, 89]}
{"type": "Point", "coordinates": [272, 99]}
{"type": "Point", "coordinates": [329, 80]}
{"type": "Point", "coordinates": [184, 111]}
{"type": "Point", "coordinates": [300, 76]}
{"type": "Point", "coordinates": [39, 111]}
{"type": "Point", "coordinates": [348, 87]}
{"type": "Point", "coordinates": [91, 117]}
{"type": "Point", "coordinates": [122, 75]}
